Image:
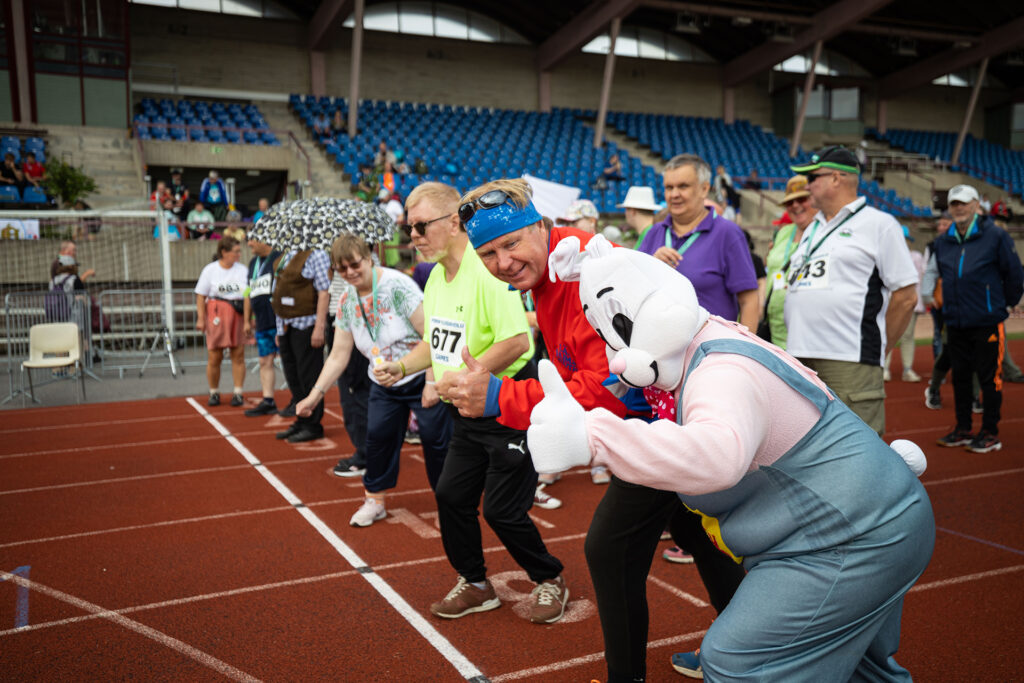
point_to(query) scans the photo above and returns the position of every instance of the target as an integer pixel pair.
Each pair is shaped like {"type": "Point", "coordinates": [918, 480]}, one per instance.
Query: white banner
{"type": "Point", "coordinates": [15, 229]}
{"type": "Point", "coordinates": [551, 198]}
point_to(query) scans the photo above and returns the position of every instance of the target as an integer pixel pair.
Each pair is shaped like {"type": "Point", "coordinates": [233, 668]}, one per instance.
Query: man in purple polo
{"type": "Point", "coordinates": [709, 250]}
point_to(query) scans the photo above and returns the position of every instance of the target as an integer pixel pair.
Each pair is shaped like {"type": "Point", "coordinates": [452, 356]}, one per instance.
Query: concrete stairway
{"type": "Point", "coordinates": [109, 156]}
{"type": "Point", "coordinates": [632, 147]}
{"type": "Point", "coordinates": [327, 177]}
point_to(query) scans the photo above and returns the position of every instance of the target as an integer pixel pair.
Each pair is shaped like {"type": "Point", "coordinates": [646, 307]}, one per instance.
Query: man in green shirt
{"type": "Point", "coordinates": [472, 319]}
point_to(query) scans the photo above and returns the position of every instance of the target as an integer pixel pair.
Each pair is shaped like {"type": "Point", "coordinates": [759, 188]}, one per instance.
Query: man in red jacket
{"type": "Point", "coordinates": [629, 519]}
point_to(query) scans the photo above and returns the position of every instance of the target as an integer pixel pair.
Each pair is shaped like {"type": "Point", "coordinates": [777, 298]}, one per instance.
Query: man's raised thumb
{"type": "Point", "coordinates": [551, 381]}
{"type": "Point", "coordinates": [472, 364]}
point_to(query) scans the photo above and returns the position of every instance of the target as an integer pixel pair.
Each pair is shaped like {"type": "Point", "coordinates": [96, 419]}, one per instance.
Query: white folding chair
{"type": "Point", "coordinates": [53, 345]}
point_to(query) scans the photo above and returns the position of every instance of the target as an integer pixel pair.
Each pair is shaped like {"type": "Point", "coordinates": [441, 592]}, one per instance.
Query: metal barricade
{"type": "Point", "coordinates": [23, 310]}
{"type": "Point", "coordinates": [150, 328]}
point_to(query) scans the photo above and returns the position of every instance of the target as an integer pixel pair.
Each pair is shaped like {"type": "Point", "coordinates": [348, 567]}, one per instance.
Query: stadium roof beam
{"type": "Point", "coordinates": [1007, 37]}
{"type": "Point", "coordinates": [826, 24]}
{"type": "Point", "coordinates": [806, 20]}
{"type": "Point", "coordinates": [326, 20]}
{"type": "Point", "coordinates": [578, 32]}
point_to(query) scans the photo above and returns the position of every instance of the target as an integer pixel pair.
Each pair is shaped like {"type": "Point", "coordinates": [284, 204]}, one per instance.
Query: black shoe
{"type": "Point", "coordinates": [303, 434]}
{"type": "Point", "coordinates": [349, 467]}
{"type": "Point", "coordinates": [265, 407]}
{"type": "Point", "coordinates": [237, 400]}
{"type": "Point", "coordinates": [292, 428]}
{"type": "Point", "coordinates": [957, 437]}
{"type": "Point", "coordinates": [288, 410]}
{"type": "Point", "coordinates": [214, 399]}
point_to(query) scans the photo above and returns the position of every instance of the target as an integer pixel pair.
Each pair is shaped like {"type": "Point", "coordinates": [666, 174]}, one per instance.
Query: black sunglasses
{"type": "Point", "coordinates": [811, 177]}
{"type": "Point", "coordinates": [421, 228]}
{"type": "Point", "coordinates": [489, 200]}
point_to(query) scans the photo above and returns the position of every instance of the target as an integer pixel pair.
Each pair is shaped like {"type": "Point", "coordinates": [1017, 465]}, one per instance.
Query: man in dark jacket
{"type": "Point", "coordinates": [981, 276]}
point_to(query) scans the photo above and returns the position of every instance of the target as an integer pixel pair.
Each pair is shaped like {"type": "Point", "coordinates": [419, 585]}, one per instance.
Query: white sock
{"type": "Point", "coordinates": [238, 390]}
{"type": "Point", "coordinates": [479, 584]}
{"type": "Point", "coordinates": [213, 391]}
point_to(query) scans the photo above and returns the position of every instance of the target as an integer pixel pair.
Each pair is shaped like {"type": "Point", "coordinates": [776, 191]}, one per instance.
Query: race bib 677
{"type": "Point", "coordinates": [447, 337]}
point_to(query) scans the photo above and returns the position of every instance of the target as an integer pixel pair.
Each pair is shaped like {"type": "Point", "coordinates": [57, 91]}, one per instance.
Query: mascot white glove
{"type": "Point", "coordinates": [558, 433]}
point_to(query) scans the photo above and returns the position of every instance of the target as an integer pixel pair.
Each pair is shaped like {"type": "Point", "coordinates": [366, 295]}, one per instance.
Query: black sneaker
{"type": "Point", "coordinates": [237, 400]}
{"type": "Point", "coordinates": [292, 428]}
{"type": "Point", "coordinates": [265, 407]}
{"type": "Point", "coordinates": [957, 437]}
{"type": "Point", "coordinates": [214, 399]}
{"type": "Point", "coordinates": [304, 434]}
{"type": "Point", "coordinates": [932, 399]}
{"type": "Point", "coordinates": [288, 410]}
{"type": "Point", "coordinates": [349, 467]}
{"type": "Point", "coordinates": [976, 407]}
{"type": "Point", "coordinates": [985, 442]}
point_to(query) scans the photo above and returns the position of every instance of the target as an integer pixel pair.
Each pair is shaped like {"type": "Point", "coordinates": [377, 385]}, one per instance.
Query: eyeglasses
{"type": "Point", "coordinates": [801, 200]}
{"type": "Point", "coordinates": [489, 200]}
{"type": "Point", "coordinates": [345, 267]}
{"type": "Point", "coordinates": [421, 228]}
{"type": "Point", "coordinates": [811, 177]}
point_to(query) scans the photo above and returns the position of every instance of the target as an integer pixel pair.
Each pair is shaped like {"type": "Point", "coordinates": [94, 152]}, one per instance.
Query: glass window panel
{"type": "Point", "coordinates": [245, 8]}
{"type": "Point", "coordinates": [55, 17]}
{"type": "Point", "coordinates": [55, 52]}
{"type": "Point", "coordinates": [598, 45]}
{"type": "Point", "coordinates": [416, 18]}
{"type": "Point", "coordinates": [201, 5]}
{"type": "Point", "coordinates": [483, 28]}
{"type": "Point", "coordinates": [816, 104]}
{"type": "Point", "coordinates": [1018, 116]}
{"type": "Point", "coordinates": [651, 44]}
{"type": "Point", "coordinates": [626, 44]}
{"type": "Point", "coordinates": [380, 18]}
{"type": "Point", "coordinates": [272, 10]}
{"type": "Point", "coordinates": [845, 104]}
{"type": "Point", "coordinates": [795, 64]}
{"type": "Point", "coordinates": [158, 3]}
{"type": "Point", "coordinates": [450, 22]}
{"type": "Point", "coordinates": [510, 36]}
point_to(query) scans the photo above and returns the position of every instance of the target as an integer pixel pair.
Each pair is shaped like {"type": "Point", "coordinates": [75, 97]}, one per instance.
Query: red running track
{"type": "Point", "coordinates": [145, 541]}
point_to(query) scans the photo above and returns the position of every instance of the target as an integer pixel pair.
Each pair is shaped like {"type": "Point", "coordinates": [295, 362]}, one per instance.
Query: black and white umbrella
{"type": "Point", "coordinates": [315, 223]}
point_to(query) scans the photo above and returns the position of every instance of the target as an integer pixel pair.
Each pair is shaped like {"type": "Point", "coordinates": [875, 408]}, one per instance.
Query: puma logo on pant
{"type": "Point", "coordinates": [518, 447]}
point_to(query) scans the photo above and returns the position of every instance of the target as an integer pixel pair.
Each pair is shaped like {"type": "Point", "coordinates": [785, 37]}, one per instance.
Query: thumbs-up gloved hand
{"type": "Point", "coordinates": [473, 389]}
{"type": "Point", "coordinates": [558, 432]}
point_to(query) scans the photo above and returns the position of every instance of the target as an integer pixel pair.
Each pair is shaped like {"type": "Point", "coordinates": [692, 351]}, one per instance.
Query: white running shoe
{"type": "Point", "coordinates": [543, 500]}
{"type": "Point", "coordinates": [370, 512]}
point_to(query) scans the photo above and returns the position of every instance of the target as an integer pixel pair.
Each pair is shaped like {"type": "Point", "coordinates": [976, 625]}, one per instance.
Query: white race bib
{"type": "Point", "coordinates": [447, 338]}
{"type": "Point", "coordinates": [229, 290]}
{"type": "Point", "coordinates": [779, 281]}
{"type": "Point", "coordinates": [813, 275]}
{"type": "Point", "coordinates": [260, 286]}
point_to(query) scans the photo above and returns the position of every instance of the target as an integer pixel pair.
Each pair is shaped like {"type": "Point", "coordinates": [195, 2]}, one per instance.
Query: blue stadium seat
{"type": "Point", "coordinates": [9, 194]}
{"type": "Point", "coordinates": [34, 195]}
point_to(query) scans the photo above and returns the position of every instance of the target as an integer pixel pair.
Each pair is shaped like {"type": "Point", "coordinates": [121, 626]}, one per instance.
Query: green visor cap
{"type": "Point", "coordinates": [837, 157]}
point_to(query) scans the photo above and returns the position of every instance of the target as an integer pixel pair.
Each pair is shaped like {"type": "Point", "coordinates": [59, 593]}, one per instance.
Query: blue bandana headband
{"type": "Point", "coordinates": [489, 224]}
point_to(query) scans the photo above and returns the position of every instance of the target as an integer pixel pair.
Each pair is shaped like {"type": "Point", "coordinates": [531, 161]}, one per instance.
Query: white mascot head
{"type": "Point", "coordinates": [645, 311]}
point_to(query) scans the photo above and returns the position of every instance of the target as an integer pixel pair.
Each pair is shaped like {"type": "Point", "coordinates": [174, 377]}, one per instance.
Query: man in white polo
{"type": "Point", "coordinates": [851, 286]}
{"type": "Point", "coordinates": [640, 209]}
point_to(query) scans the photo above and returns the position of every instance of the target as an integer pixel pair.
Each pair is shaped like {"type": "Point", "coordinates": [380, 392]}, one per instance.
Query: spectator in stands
{"type": "Point", "coordinates": [214, 195]}
{"type": "Point", "coordinates": [86, 227]}
{"type": "Point", "coordinates": [380, 313]}
{"type": "Point", "coordinates": [474, 321]}
{"type": "Point", "coordinates": [753, 182]}
{"type": "Point", "coordinates": [219, 313]}
{"type": "Point", "coordinates": [708, 249]}
{"type": "Point", "coordinates": [723, 187]}
{"type": "Point", "coordinates": [200, 222]}
{"type": "Point", "coordinates": [387, 182]}
{"type": "Point", "coordinates": [383, 156]}
{"type": "Point", "coordinates": [906, 341]}
{"type": "Point", "coordinates": [640, 207]}
{"type": "Point", "coordinates": [365, 184]}
{"type": "Point", "coordinates": [179, 191]}
{"type": "Point", "coordinates": [981, 276]}
{"type": "Point", "coordinates": [159, 196]}
{"type": "Point", "coordinates": [262, 206]}
{"type": "Point", "coordinates": [1001, 210]}
{"type": "Point", "coordinates": [839, 318]}
{"type": "Point", "coordinates": [338, 125]}
{"type": "Point", "coordinates": [799, 214]}
{"type": "Point", "coordinates": [174, 230]}
{"type": "Point", "coordinates": [582, 215]}
{"type": "Point", "coordinates": [985, 205]}
{"type": "Point", "coordinates": [260, 321]}
{"type": "Point", "coordinates": [321, 127]}
{"type": "Point", "coordinates": [10, 174]}
{"type": "Point", "coordinates": [613, 171]}
{"type": "Point", "coordinates": [69, 249]}
{"type": "Point", "coordinates": [34, 172]}
{"type": "Point", "coordinates": [301, 296]}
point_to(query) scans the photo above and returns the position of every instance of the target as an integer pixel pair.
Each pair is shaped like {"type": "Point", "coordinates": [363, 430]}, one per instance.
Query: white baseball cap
{"type": "Point", "coordinates": [639, 197]}
{"type": "Point", "coordinates": [581, 208]}
{"type": "Point", "coordinates": [962, 193]}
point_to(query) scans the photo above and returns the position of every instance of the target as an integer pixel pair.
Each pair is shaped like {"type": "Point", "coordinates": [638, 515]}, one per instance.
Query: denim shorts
{"type": "Point", "coordinates": [266, 342]}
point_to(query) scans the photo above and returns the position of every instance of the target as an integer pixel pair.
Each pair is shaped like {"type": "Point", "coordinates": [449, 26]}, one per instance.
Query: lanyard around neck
{"type": "Point", "coordinates": [373, 302]}
{"type": "Point", "coordinates": [828, 234]}
{"type": "Point", "coordinates": [970, 229]}
{"type": "Point", "coordinates": [691, 239]}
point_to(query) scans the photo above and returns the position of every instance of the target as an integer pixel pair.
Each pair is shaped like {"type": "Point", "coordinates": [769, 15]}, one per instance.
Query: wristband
{"type": "Point", "coordinates": [430, 381]}
{"type": "Point", "coordinates": [402, 366]}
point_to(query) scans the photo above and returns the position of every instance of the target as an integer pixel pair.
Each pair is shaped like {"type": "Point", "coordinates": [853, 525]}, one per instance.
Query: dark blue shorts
{"type": "Point", "coordinates": [266, 342]}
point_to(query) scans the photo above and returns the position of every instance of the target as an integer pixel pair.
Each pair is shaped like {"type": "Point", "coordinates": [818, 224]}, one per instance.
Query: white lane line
{"type": "Point", "coordinates": [681, 594]}
{"type": "Point", "coordinates": [118, 480]}
{"type": "Point", "coordinates": [904, 433]}
{"type": "Point", "coordinates": [588, 659]}
{"type": "Point", "coordinates": [203, 658]}
{"type": "Point", "coordinates": [969, 477]}
{"type": "Point", "coordinates": [105, 423]}
{"type": "Point", "coordinates": [134, 444]}
{"type": "Point", "coordinates": [466, 668]}
{"type": "Point", "coordinates": [258, 588]}
{"type": "Point", "coordinates": [965, 579]}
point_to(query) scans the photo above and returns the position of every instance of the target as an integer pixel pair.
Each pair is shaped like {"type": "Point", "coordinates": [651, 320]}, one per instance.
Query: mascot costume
{"type": "Point", "coordinates": [830, 522]}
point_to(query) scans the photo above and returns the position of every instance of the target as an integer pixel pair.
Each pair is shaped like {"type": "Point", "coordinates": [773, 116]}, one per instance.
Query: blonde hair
{"type": "Point", "coordinates": [235, 232]}
{"type": "Point", "coordinates": [348, 245]}
{"type": "Point", "coordinates": [517, 189]}
{"type": "Point", "coordinates": [444, 197]}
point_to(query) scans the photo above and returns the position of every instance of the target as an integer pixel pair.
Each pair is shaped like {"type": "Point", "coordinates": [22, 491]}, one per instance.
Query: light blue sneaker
{"type": "Point", "coordinates": [688, 664]}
